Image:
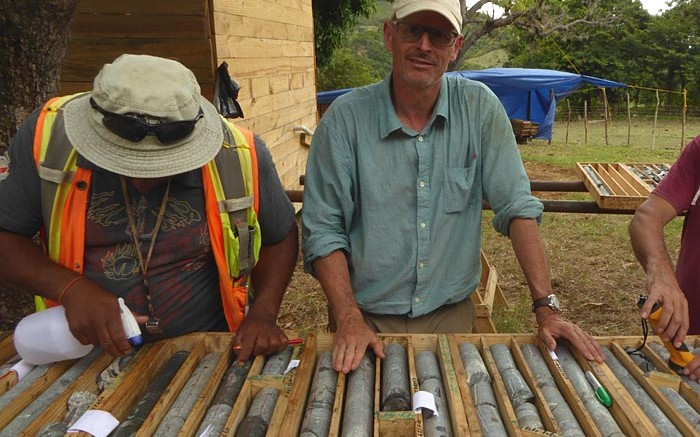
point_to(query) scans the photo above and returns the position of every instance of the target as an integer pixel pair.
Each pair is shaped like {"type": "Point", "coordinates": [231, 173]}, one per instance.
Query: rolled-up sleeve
{"type": "Point", "coordinates": [328, 205]}
{"type": "Point", "coordinates": [506, 186]}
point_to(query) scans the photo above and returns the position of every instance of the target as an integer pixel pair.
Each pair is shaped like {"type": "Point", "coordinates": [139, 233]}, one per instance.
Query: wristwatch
{"type": "Point", "coordinates": [551, 301]}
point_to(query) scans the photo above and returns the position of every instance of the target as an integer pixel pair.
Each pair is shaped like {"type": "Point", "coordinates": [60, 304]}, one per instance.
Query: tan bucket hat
{"type": "Point", "coordinates": [144, 96]}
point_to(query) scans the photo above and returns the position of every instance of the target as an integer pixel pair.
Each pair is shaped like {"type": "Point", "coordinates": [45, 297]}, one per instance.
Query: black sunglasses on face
{"type": "Point", "coordinates": [135, 128]}
{"type": "Point", "coordinates": [413, 32]}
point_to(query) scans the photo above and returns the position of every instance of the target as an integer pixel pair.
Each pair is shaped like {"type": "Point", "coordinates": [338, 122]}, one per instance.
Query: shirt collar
{"type": "Point", "coordinates": [389, 121]}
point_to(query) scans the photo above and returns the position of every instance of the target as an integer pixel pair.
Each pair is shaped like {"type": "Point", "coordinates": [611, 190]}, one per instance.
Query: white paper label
{"type": "Point", "coordinates": [95, 422]}
{"type": "Point", "coordinates": [424, 399]}
{"type": "Point", "coordinates": [22, 368]}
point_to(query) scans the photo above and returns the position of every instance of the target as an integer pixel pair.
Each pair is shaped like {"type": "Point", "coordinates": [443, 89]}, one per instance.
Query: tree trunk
{"type": "Point", "coordinates": [33, 39]}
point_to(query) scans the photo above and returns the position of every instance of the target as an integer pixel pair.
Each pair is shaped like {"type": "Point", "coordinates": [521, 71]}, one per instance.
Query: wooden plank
{"type": "Point", "coordinates": [396, 424]}
{"type": "Point", "coordinates": [278, 421]}
{"type": "Point", "coordinates": [298, 397]}
{"type": "Point", "coordinates": [265, 10]}
{"type": "Point", "coordinates": [140, 26]}
{"type": "Point", "coordinates": [174, 7]}
{"type": "Point", "coordinates": [7, 349]}
{"type": "Point", "coordinates": [453, 341]}
{"type": "Point", "coordinates": [240, 408]}
{"type": "Point", "coordinates": [28, 396]}
{"type": "Point", "coordinates": [541, 403]}
{"type": "Point", "coordinates": [150, 425]}
{"type": "Point", "coordinates": [122, 399]}
{"type": "Point", "coordinates": [86, 56]}
{"type": "Point", "coordinates": [338, 406]}
{"type": "Point", "coordinates": [453, 396]}
{"type": "Point", "coordinates": [619, 199]}
{"type": "Point", "coordinates": [505, 408]}
{"type": "Point", "coordinates": [251, 47]}
{"type": "Point", "coordinates": [616, 173]}
{"type": "Point", "coordinates": [199, 410]}
{"type": "Point", "coordinates": [413, 383]}
{"type": "Point", "coordinates": [242, 26]}
{"type": "Point", "coordinates": [641, 187]}
{"type": "Point", "coordinates": [58, 409]}
{"type": "Point", "coordinates": [569, 393]}
{"type": "Point", "coordinates": [604, 171]}
{"type": "Point", "coordinates": [241, 67]}
{"type": "Point", "coordinates": [659, 399]}
{"type": "Point", "coordinates": [624, 410]}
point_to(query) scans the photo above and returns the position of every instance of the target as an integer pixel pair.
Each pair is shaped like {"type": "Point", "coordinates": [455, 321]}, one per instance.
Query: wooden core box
{"type": "Point", "coordinates": [619, 186]}
{"type": "Point", "coordinates": [120, 397]}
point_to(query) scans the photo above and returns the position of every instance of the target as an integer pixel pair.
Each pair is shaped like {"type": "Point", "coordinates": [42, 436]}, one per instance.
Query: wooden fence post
{"type": "Point", "coordinates": [656, 116]}
{"type": "Point", "coordinates": [629, 119]}
{"type": "Point", "coordinates": [585, 122]}
{"type": "Point", "coordinates": [568, 120]}
{"type": "Point", "coordinates": [605, 103]}
{"type": "Point", "coordinates": [684, 109]}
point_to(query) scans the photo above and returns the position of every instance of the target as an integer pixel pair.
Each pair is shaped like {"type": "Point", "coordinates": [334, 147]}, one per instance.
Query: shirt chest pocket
{"type": "Point", "coordinates": [458, 188]}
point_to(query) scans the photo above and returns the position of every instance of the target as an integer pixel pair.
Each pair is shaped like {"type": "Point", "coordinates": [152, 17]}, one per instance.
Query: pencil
{"type": "Point", "coordinates": [292, 341]}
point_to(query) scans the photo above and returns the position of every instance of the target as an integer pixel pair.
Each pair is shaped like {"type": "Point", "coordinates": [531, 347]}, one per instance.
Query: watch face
{"type": "Point", "coordinates": [553, 301]}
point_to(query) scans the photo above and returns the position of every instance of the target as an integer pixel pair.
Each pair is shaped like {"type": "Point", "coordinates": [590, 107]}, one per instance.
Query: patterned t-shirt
{"type": "Point", "coordinates": [182, 274]}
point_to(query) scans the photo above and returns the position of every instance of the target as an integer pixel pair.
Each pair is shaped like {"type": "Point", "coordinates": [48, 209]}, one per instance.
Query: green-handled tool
{"type": "Point", "coordinates": [600, 393]}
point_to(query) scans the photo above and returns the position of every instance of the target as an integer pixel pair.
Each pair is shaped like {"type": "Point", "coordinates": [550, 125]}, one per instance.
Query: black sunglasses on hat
{"type": "Point", "coordinates": [135, 129]}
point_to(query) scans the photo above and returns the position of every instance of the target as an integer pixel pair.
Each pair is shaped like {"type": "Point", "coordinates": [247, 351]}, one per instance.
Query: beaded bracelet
{"type": "Point", "coordinates": [67, 287]}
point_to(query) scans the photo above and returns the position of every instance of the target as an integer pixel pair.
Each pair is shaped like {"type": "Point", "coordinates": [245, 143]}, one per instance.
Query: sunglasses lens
{"type": "Point", "coordinates": [126, 127]}
{"type": "Point", "coordinates": [134, 130]}
{"type": "Point", "coordinates": [170, 132]}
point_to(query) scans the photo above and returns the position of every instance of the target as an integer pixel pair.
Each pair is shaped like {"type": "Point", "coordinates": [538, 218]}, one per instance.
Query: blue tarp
{"type": "Point", "coordinates": [525, 93]}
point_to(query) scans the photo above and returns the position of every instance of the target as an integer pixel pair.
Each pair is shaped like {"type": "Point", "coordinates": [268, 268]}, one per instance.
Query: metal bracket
{"type": "Point", "coordinates": [306, 133]}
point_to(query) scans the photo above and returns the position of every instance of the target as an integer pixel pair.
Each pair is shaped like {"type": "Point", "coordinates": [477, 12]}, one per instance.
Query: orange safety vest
{"type": "Point", "coordinates": [231, 203]}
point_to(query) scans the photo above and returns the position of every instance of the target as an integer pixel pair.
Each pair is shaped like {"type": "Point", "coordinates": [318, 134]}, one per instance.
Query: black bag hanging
{"type": "Point", "coordinates": [226, 93]}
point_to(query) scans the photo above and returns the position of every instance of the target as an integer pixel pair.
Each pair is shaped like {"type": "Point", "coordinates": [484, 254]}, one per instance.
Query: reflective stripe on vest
{"type": "Point", "coordinates": [231, 205]}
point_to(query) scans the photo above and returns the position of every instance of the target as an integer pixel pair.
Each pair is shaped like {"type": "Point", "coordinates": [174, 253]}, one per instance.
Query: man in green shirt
{"type": "Point", "coordinates": [393, 190]}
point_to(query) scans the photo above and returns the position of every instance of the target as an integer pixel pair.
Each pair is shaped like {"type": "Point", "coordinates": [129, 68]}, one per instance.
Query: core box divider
{"type": "Point", "coordinates": [628, 415]}
{"type": "Point", "coordinates": [569, 393]}
{"type": "Point", "coordinates": [541, 403]}
{"type": "Point", "coordinates": [396, 423]}
{"type": "Point", "coordinates": [659, 399]}
{"type": "Point", "coordinates": [57, 410]}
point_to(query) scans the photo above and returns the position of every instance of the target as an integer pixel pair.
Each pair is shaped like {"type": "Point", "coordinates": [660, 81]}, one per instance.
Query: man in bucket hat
{"type": "Point", "coordinates": [393, 196]}
{"type": "Point", "coordinates": [142, 191]}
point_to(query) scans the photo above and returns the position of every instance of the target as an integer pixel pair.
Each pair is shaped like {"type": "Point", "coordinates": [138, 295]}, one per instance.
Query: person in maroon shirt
{"type": "Point", "coordinates": [678, 290]}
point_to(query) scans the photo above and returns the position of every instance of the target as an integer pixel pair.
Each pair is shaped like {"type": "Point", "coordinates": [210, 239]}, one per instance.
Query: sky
{"type": "Point", "coordinates": [653, 6]}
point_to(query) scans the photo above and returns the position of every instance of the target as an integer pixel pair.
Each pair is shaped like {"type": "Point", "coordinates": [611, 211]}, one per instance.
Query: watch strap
{"type": "Point", "coordinates": [546, 301]}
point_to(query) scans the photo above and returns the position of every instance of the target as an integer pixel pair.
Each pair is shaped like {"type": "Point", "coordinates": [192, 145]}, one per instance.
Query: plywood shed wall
{"type": "Point", "coordinates": [267, 44]}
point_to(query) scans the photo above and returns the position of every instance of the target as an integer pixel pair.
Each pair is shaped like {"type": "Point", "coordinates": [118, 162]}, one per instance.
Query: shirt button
{"type": "Point", "coordinates": [420, 138]}
{"type": "Point", "coordinates": [417, 299]}
{"type": "Point", "coordinates": [421, 265]}
{"type": "Point", "coordinates": [422, 225]}
{"type": "Point", "coordinates": [421, 184]}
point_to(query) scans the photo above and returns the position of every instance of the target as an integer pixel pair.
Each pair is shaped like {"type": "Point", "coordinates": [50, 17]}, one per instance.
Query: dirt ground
{"type": "Point", "coordinates": [592, 268]}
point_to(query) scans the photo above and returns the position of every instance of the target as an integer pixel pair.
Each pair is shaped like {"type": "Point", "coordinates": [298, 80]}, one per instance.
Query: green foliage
{"type": "Point", "coordinates": [363, 59]}
{"type": "Point", "coordinates": [344, 70]}
{"type": "Point", "coordinates": [633, 47]}
{"type": "Point", "coordinates": [333, 20]}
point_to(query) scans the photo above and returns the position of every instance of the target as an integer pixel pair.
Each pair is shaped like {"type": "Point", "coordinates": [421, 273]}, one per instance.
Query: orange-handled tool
{"type": "Point", "coordinates": [680, 357]}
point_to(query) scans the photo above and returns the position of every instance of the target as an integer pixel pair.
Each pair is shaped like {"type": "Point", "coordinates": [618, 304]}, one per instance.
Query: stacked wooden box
{"type": "Point", "coordinates": [620, 186]}
{"type": "Point", "coordinates": [120, 397]}
{"type": "Point", "coordinates": [524, 129]}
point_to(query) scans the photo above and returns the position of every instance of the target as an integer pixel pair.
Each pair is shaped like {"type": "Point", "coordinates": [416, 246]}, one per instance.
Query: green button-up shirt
{"type": "Point", "coordinates": [405, 206]}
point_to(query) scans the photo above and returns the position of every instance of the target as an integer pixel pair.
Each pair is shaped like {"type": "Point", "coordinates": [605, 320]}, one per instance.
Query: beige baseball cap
{"type": "Point", "coordinates": [449, 9]}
